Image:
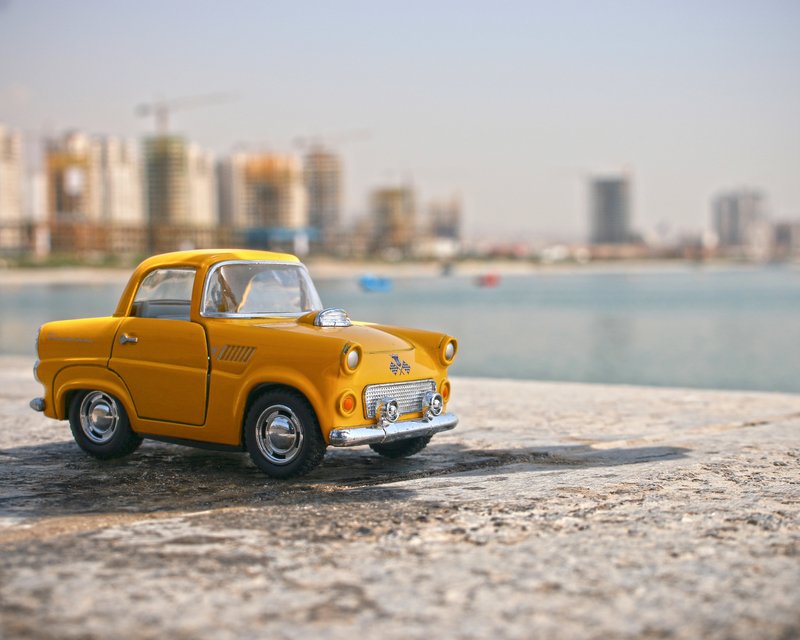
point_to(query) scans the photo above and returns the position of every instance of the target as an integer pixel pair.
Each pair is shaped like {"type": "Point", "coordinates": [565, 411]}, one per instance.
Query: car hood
{"type": "Point", "coordinates": [371, 338]}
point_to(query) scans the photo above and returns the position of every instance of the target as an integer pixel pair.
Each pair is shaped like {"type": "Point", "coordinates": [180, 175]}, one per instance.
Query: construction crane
{"type": "Point", "coordinates": [162, 109]}
{"type": "Point", "coordinates": [332, 139]}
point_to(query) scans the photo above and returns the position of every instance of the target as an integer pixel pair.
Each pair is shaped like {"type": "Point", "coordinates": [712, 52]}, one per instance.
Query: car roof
{"type": "Point", "coordinates": [200, 259]}
{"type": "Point", "coordinates": [206, 257]}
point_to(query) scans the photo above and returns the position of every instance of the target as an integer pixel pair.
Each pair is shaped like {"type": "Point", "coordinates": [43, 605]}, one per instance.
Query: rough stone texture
{"type": "Point", "coordinates": [552, 511]}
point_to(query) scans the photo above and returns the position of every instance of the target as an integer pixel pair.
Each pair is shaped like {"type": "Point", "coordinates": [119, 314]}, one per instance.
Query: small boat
{"type": "Point", "coordinates": [488, 280]}
{"type": "Point", "coordinates": [374, 284]}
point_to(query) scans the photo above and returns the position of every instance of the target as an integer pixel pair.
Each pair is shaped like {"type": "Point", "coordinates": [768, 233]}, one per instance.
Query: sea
{"type": "Point", "coordinates": [679, 326]}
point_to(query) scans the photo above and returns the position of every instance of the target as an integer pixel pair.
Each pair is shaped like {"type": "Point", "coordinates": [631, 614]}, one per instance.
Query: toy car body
{"type": "Point", "coordinates": [232, 349]}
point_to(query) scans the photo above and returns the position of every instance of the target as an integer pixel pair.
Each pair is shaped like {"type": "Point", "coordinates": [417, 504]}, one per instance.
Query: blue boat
{"type": "Point", "coordinates": [371, 283]}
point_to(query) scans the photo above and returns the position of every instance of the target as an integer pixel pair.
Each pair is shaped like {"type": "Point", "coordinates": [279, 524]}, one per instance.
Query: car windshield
{"type": "Point", "coordinates": [259, 288]}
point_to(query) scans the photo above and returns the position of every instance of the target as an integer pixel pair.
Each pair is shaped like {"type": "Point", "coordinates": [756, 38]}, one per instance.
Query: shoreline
{"type": "Point", "coordinates": [324, 268]}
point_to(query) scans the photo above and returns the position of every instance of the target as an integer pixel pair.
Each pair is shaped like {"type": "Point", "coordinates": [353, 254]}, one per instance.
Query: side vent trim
{"type": "Point", "coordinates": [235, 353]}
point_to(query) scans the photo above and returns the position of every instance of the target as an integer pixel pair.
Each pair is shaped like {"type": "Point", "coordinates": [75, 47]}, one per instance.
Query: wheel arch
{"type": "Point", "coordinates": [72, 380]}
{"type": "Point", "coordinates": [264, 387]}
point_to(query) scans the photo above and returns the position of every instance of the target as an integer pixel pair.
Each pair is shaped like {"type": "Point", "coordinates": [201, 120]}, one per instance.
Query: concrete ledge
{"type": "Point", "coordinates": [578, 511]}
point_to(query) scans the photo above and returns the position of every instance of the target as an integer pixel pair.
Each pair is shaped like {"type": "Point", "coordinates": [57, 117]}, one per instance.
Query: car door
{"type": "Point", "coordinates": [163, 356]}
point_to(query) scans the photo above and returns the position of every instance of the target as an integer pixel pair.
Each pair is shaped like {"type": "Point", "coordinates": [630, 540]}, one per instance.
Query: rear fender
{"type": "Point", "coordinates": [77, 378]}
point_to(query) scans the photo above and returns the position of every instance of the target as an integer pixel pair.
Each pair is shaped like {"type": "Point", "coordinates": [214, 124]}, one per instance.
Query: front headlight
{"type": "Point", "coordinates": [449, 350]}
{"type": "Point", "coordinates": [351, 357]}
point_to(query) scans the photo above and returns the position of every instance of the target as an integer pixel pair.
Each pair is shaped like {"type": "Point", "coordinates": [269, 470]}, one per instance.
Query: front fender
{"type": "Point", "coordinates": [288, 377]}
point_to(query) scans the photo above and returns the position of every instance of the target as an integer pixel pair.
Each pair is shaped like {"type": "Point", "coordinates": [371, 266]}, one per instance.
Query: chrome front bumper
{"type": "Point", "coordinates": [375, 434]}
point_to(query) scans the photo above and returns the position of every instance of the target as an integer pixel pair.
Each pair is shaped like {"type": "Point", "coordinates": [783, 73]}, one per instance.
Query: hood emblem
{"type": "Point", "coordinates": [398, 366]}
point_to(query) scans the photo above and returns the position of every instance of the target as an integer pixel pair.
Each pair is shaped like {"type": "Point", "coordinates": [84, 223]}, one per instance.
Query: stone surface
{"type": "Point", "coordinates": [553, 511]}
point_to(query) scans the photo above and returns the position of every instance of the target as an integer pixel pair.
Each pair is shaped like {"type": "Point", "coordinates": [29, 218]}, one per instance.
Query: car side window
{"type": "Point", "coordinates": [165, 293]}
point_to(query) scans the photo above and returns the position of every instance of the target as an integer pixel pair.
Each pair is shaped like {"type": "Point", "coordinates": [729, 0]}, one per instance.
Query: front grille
{"type": "Point", "coordinates": [408, 395]}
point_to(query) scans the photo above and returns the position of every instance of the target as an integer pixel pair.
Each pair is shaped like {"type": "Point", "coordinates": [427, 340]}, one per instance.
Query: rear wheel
{"type": "Point", "coordinates": [282, 434]}
{"type": "Point", "coordinates": [100, 425]}
{"type": "Point", "coordinates": [401, 448]}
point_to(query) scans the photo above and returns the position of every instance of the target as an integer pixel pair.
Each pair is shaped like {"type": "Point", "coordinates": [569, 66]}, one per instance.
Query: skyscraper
{"type": "Point", "coordinates": [121, 185]}
{"type": "Point", "coordinates": [735, 216]}
{"type": "Point", "coordinates": [610, 211]}
{"type": "Point", "coordinates": [73, 179]}
{"type": "Point", "coordinates": [445, 218]}
{"type": "Point", "coordinates": [94, 194]}
{"type": "Point", "coordinates": [323, 179]}
{"type": "Point", "coordinates": [11, 200]}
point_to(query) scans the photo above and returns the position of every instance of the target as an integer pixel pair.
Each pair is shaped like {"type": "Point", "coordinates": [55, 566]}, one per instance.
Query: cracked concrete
{"type": "Point", "coordinates": [553, 511]}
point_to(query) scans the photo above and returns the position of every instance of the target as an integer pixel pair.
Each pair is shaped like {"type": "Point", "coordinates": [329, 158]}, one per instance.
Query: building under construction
{"type": "Point", "coordinates": [264, 198]}
{"type": "Point", "coordinates": [181, 194]}
{"type": "Point", "coordinates": [394, 220]}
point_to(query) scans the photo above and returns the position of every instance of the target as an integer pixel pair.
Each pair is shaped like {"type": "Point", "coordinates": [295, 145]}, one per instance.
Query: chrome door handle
{"type": "Point", "coordinates": [125, 338]}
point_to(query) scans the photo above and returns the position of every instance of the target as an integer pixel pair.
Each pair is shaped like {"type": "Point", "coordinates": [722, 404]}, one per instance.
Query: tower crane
{"type": "Point", "coordinates": [162, 109]}
{"type": "Point", "coordinates": [331, 139]}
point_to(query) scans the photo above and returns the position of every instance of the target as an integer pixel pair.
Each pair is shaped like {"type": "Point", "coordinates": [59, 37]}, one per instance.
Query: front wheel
{"type": "Point", "coordinates": [282, 435]}
{"type": "Point", "coordinates": [401, 448]}
{"type": "Point", "coordinates": [100, 425]}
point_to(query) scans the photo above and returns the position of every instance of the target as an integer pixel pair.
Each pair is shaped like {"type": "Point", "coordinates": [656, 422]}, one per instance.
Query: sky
{"type": "Point", "coordinates": [512, 106]}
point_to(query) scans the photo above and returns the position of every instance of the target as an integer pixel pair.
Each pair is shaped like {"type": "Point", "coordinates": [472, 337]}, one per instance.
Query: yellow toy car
{"type": "Point", "coordinates": [233, 350]}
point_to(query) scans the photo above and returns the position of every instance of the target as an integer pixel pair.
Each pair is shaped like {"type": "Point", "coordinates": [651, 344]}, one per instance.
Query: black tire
{"type": "Point", "coordinates": [401, 448]}
{"type": "Point", "coordinates": [282, 435]}
{"type": "Point", "coordinates": [101, 426]}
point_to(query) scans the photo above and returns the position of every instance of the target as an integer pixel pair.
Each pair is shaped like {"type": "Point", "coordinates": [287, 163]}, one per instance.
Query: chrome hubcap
{"type": "Point", "coordinates": [99, 416]}
{"type": "Point", "coordinates": [279, 434]}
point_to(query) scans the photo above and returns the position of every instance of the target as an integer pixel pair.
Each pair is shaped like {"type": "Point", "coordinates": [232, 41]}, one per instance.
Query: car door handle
{"type": "Point", "coordinates": [125, 338]}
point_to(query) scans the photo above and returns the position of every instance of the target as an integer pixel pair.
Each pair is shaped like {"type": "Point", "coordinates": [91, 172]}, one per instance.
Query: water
{"type": "Point", "coordinates": [737, 328]}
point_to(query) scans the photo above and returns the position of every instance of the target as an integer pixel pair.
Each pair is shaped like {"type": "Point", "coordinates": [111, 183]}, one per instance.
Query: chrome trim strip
{"type": "Point", "coordinates": [373, 434]}
{"type": "Point", "coordinates": [221, 264]}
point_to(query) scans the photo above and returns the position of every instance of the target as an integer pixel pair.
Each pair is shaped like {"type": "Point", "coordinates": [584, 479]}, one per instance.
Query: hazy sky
{"type": "Point", "coordinates": [510, 104]}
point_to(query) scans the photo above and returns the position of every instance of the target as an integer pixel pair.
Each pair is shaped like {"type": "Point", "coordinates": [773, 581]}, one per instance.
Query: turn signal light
{"type": "Point", "coordinates": [347, 403]}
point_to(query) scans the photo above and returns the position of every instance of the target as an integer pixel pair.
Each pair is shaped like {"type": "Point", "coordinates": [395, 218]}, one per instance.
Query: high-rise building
{"type": "Point", "coordinates": [182, 201]}
{"type": "Point", "coordinates": [323, 179]}
{"type": "Point", "coordinates": [394, 219]}
{"type": "Point", "coordinates": [787, 239]}
{"type": "Point", "coordinates": [73, 179]}
{"type": "Point", "coordinates": [11, 170]}
{"type": "Point", "coordinates": [94, 194]}
{"type": "Point", "coordinates": [12, 218]}
{"type": "Point", "coordinates": [121, 185]}
{"type": "Point", "coordinates": [263, 195]}
{"type": "Point", "coordinates": [445, 218]}
{"type": "Point", "coordinates": [736, 217]}
{"type": "Point", "coordinates": [610, 211]}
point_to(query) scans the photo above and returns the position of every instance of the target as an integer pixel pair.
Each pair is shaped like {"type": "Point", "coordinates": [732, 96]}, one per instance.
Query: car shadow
{"type": "Point", "coordinates": [58, 479]}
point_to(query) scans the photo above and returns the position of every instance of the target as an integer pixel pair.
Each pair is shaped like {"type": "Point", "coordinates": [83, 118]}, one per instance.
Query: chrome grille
{"type": "Point", "coordinates": [408, 395]}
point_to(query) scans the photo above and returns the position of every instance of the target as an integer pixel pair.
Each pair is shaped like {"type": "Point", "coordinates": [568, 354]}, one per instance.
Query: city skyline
{"type": "Point", "coordinates": [513, 109]}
